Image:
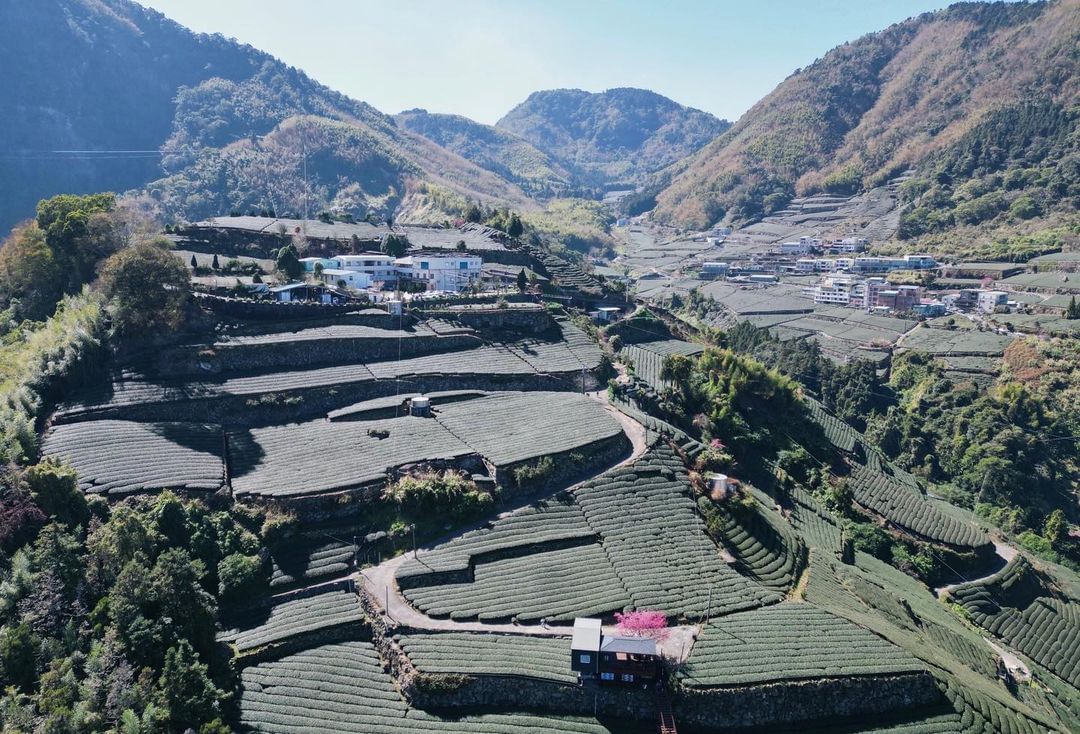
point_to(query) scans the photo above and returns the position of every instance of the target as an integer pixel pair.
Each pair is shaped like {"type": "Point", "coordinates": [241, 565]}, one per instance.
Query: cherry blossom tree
{"type": "Point", "coordinates": [643, 623]}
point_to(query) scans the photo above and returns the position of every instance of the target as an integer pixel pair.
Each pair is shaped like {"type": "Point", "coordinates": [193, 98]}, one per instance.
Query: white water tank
{"type": "Point", "coordinates": [394, 307]}
{"type": "Point", "coordinates": [420, 406]}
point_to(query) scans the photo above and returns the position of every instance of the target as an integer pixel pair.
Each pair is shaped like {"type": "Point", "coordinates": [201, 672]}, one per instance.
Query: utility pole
{"type": "Point", "coordinates": [414, 540]}
{"type": "Point", "coordinates": [582, 379]}
{"type": "Point", "coordinates": [708, 609]}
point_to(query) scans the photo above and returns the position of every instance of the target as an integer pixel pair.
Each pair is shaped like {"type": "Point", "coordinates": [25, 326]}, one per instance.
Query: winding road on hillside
{"type": "Point", "coordinates": [379, 581]}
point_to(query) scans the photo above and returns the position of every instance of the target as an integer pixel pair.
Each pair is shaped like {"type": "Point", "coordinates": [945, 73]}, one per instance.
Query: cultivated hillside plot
{"type": "Point", "coordinates": [323, 456]}
{"type": "Point", "coordinates": [343, 688]}
{"type": "Point", "coordinates": [788, 642]}
{"type": "Point", "coordinates": [629, 537]}
{"type": "Point", "coordinates": [119, 457]}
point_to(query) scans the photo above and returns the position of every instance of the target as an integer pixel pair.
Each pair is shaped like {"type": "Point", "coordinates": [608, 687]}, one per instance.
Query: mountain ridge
{"type": "Point", "coordinates": [623, 133]}
{"type": "Point", "coordinates": [875, 106]}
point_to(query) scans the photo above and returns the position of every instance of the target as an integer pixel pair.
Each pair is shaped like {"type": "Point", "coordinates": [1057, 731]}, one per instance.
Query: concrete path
{"type": "Point", "coordinates": [380, 581]}
{"type": "Point", "coordinates": [1004, 553]}
{"type": "Point", "coordinates": [1013, 664]}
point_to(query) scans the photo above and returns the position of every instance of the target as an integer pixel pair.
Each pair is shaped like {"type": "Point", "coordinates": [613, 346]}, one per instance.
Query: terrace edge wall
{"type": "Point", "coordinates": [794, 702]}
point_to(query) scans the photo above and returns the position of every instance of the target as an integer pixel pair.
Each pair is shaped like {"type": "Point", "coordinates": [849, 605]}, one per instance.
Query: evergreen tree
{"type": "Point", "coordinates": [288, 262]}
{"type": "Point", "coordinates": [522, 280]}
{"type": "Point", "coordinates": [214, 264]}
{"type": "Point", "coordinates": [515, 228]}
{"type": "Point", "coordinates": [194, 262]}
{"type": "Point", "coordinates": [1073, 311]}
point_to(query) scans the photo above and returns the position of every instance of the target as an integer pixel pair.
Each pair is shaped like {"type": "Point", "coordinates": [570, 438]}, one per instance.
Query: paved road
{"type": "Point", "coordinates": [1003, 550]}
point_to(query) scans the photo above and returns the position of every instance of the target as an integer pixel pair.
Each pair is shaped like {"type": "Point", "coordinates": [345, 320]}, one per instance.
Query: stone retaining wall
{"type": "Point", "coordinates": [193, 361]}
{"type": "Point", "coordinates": [791, 702]}
{"type": "Point", "coordinates": [300, 404]}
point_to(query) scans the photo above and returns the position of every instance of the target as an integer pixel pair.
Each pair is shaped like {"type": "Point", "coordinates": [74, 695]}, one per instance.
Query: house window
{"type": "Point", "coordinates": [607, 676]}
{"type": "Point", "coordinates": [586, 659]}
{"type": "Point", "coordinates": [424, 265]}
{"type": "Point", "coordinates": [463, 265]}
{"type": "Point", "coordinates": [628, 677]}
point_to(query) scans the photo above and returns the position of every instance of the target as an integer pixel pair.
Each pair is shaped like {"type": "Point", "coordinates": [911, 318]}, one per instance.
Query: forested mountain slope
{"type": "Point", "coordinates": [102, 75]}
{"type": "Point", "coordinates": [893, 100]}
{"type": "Point", "coordinates": [616, 135]}
{"type": "Point", "coordinates": [498, 151]}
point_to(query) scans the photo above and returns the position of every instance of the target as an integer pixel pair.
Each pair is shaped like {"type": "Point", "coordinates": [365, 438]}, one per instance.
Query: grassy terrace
{"type": "Point", "coordinates": [790, 642]}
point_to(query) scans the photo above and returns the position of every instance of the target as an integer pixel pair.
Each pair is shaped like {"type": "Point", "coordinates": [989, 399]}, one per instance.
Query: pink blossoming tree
{"type": "Point", "coordinates": [643, 623]}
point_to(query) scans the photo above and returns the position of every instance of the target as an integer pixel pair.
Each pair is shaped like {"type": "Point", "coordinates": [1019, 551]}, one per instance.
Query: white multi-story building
{"type": "Point", "coordinates": [989, 301]}
{"type": "Point", "coordinates": [440, 272]}
{"type": "Point", "coordinates": [837, 290]}
{"type": "Point", "coordinates": [849, 244]}
{"type": "Point", "coordinates": [381, 268]}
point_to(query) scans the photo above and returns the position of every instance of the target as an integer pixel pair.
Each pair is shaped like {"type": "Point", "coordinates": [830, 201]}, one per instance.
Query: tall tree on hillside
{"type": "Point", "coordinates": [288, 263]}
{"type": "Point", "coordinates": [515, 228]}
{"type": "Point", "coordinates": [147, 288]}
{"type": "Point", "coordinates": [31, 277]}
{"type": "Point", "coordinates": [395, 245]}
{"type": "Point", "coordinates": [522, 280]}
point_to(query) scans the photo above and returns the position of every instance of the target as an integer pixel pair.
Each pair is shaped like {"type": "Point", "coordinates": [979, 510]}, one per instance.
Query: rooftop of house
{"type": "Point", "coordinates": [587, 634]}
{"type": "Point", "coordinates": [628, 645]}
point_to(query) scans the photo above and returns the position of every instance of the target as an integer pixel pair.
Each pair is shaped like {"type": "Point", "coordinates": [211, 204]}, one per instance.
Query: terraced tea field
{"type": "Point", "coordinates": [559, 585]}
{"type": "Point", "coordinates": [320, 456]}
{"type": "Point", "coordinates": [650, 528]}
{"type": "Point", "coordinates": [330, 456]}
{"type": "Point", "coordinates": [343, 688]}
{"type": "Point", "coordinates": [508, 428]}
{"type": "Point", "coordinates": [300, 561]}
{"type": "Point", "coordinates": [121, 457]}
{"type": "Point", "coordinates": [790, 642]}
{"type": "Point", "coordinates": [1013, 606]}
{"type": "Point", "coordinates": [956, 343]}
{"type": "Point", "coordinates": [318, 613]}
{"type": "Point", "coordinates": [543, 658]}
{"type": "Point", "coordinates": [890, 492]}
{"type": "Point", "coordinates": [553, 523]}
{"type": "Point", "coordinates": [648, 357]}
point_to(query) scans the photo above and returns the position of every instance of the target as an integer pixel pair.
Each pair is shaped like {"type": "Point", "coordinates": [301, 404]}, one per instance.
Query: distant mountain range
{"type": "Point", "coordinates": [117, 82]}
{"type": "Point", "coordinates": [94, 89]}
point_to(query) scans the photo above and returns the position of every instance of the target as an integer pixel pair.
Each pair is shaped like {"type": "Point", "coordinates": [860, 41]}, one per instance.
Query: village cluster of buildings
{"type": "Point", "coordinates": [448, 273]}
{"type": "Point", "coordinates": [873, 293]}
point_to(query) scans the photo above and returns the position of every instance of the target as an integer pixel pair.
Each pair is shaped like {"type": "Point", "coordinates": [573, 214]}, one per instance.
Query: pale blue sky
{"type": "Point", "coordinates": [479, 58]}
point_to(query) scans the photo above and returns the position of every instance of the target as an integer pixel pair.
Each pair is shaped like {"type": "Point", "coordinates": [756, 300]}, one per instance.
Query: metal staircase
{"type": "Point", "coordinates": [663, 707]}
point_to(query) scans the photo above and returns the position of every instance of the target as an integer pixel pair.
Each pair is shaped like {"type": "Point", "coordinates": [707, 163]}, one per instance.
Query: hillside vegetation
{"type": "Point", "coordinates": [930, 93]}
{"type": "Point", "coordinates": [495, 150]}
{"type": "Point", "coordinates": [233, 123]}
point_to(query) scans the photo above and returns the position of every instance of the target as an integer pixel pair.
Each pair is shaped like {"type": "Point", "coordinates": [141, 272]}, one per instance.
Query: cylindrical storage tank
{"type": "Point", "coordinates": [420, 406]}
{"type": "Point", "coordinates": [394, 307]}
